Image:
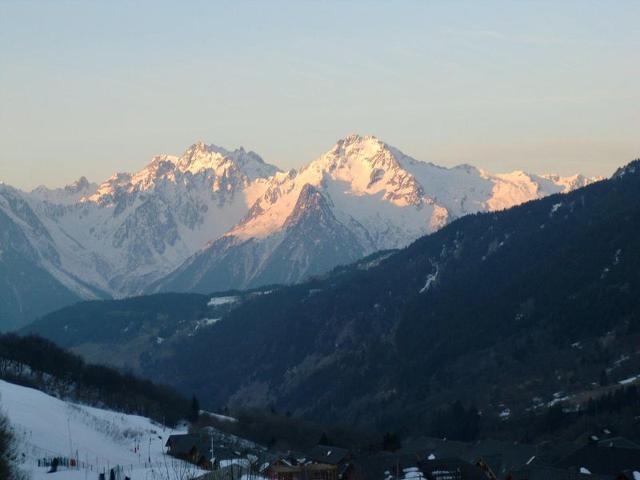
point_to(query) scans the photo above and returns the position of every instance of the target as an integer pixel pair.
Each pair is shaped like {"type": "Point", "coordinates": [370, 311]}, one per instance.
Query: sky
{"type": "Point", "coordinates": [95, 87]}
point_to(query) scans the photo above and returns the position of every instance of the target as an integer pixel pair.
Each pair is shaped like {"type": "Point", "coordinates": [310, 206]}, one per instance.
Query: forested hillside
{"type": "Point", "coordinates": [35, 362]}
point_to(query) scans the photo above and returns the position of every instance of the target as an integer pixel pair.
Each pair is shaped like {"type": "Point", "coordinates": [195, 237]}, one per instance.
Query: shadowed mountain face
{"type": "Point", "coordinates": [27, 289]}
{"type": "Point", "coordinates": [88, 241]}
{"type": "Point", "coordinates": [213, 219]}
{"type": "Point", "coordinates": [311, 240]}
{"type": "Point", "coordinates": [507, 310]}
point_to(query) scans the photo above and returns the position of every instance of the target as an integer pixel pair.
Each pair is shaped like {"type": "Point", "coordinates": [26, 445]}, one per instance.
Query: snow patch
{"type": "Point", "coordinates": [431, 278]}
{"type": "Point", "coordinates": [206, 322]}
{"type": "Point", "coordinates": [217, 416]}
{"type": "Point", "coordinates": [616, 256]}
{"type": "Point", "coordinates": [555, 208]}
{"type": "Point", "coordinates": [506, 413]}
{"type": "Point", "coordinates": [217, 301]}
{"type": "Point", "coordinates": [629, 380]}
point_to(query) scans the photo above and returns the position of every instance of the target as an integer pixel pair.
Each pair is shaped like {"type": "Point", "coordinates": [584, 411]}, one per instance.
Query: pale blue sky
{"type": "Point", "coordinates": [90, 88]}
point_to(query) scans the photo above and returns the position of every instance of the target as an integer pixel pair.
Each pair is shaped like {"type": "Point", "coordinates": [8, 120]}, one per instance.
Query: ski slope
{"type": "Point", "coordinates": [99, 439]}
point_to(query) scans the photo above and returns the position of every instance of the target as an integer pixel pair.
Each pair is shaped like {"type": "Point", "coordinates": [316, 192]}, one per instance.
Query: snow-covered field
{"type": "Point", "coordinates": [98, 439]}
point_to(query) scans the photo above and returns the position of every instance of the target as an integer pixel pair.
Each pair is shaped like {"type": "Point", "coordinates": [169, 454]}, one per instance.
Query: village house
{"type": "Point", "coordinates": [284, 470]}
{"type": "Point", "coordinates": [602, 460]}
{"type": "Point", "coordinates": [542, 472]}
{"type": "Point", "coordinates": [450, 469]}
{"type": "Point", "coordinates": [322, 462]}
{"type": "Point", "coordinates": [200, 450]}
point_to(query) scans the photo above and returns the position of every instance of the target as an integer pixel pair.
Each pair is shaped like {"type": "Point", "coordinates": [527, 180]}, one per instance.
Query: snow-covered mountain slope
{"type": "Point", "coordinates": [97, 439]}
{"type": "Point", "coordinates": [66, 195]}
{"type": "Point", "coordinates": [134, 228]}
{"type": "Point", "coordinates": [214, 219]}
{"type": "Point", "coordinates": [361, 196]}
{"type": "Point", "coordinates": [32, 279]}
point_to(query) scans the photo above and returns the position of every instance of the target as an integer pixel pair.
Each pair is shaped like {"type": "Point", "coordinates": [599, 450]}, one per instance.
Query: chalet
{"type": "Point", "coordinates": [450, 469]}
{"type": "Point", "coordinates": [191, 447]}
{"type": "Point", "coordinates": [199, 450]}
{"type": "Point", "coordinates": [329, 454]}
{"type": "Point", "coordinates": [401, 466]}
{"type": "Point", "coordinates": [383, 465]}
{"type": "Point", "coordinates": [541, 472]}
{"type": "Point", "coordinates": [498, 456]}
{"type": "Point", "coordinates": [340, 457]}
{"type": "Point", "coordinates": [284, 469]}
{"type": "Point", "coordinates": [230, 472]}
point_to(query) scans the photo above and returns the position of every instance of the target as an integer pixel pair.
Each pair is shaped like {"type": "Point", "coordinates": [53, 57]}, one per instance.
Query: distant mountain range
{"type": "Point", "coordinates": [512, 312]}
{"type": "Point", "coordinates": [214, 219]}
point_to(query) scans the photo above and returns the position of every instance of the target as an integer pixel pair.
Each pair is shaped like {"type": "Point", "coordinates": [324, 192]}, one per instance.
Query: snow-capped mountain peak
{"type": "Point", "coordinates": [213, 208]}
{"type": "Point", "coordinates": [355, 158]}
{"type": "Point", "coordinates": [356, 167]}
{"type": "Point", "coordinates": [570, 182]}
{"type": "Point", "coordinates": [362, 195]}
{"type": "Point", "coordinates": [361, 172]}
{"type": "Point", "coordinates": [368, 166]}
{"type": "Point", "coordinates": [68, 194]}
{"type": "Point", "coordinates": [221, 169]}
{"type": "Point", "coordinates": [80, 185]}
{"type": "Point", "coordinates": [199, 157]}
{"type": "Point", "coordinates": [136, 227]}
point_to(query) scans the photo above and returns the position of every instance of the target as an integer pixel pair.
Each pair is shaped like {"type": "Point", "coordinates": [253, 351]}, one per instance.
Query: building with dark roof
{"type": "Point", "coordinates": [602, 460]}
{"type": "Point", "coordinates": [450, 469]}
{"type": "Point", "coordinates": [329, 454]}
{"type": "Point", "coordinates": [200, 450]}
{"type": "Point", "coordinates": [285, 470]}
{"type": "Point", "coordinates": [541, 472]}
{"type": "Point", "coordinates": [181, 445]}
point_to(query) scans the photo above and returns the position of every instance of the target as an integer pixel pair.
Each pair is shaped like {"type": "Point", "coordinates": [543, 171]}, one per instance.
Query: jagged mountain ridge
{"type": "Point", "coordinates": [377, 198]}
{"type": "Point", "coordinates": [214, 219]}
{"type": "Point", "coordinates": [133, 228]}
{"type": "Point", "coordinates": [97, 241]}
